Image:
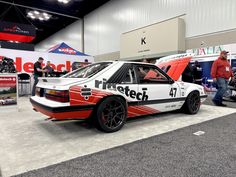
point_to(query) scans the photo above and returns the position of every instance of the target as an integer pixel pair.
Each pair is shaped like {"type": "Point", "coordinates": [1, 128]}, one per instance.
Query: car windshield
{"type": "Point", "coordinates": [88, 71]}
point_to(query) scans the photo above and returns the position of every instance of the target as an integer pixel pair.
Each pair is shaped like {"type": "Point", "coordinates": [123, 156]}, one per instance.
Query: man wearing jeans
{"type": "Point", "coordinates": [221, 72]}
{"type": "Point", "coordinates": [38, 72]}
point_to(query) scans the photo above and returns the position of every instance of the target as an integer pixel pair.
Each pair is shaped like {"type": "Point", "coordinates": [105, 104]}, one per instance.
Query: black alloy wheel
{"type": "Point", "coordinates": [111, 114]}
{"type": "Point", "coordinates": [192, 103]}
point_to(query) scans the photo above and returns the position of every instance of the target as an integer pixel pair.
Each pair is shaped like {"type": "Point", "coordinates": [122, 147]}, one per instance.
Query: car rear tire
{"type": "Point", "coordinates": [192, 103]}
{"type": "Point", "coordinates": [111, 114]}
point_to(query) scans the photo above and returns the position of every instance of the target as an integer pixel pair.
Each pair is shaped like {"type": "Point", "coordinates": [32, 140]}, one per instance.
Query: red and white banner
{"type": "Point", "coordinates": [8, 89]}
{"type": "Point", "coordinates": [7, 81]}
{"type": "Point", "coordinates": [24, 60]}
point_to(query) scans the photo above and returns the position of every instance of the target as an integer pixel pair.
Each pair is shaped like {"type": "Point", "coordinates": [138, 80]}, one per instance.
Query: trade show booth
{"type": "Point", "coordinates": [18, 66]}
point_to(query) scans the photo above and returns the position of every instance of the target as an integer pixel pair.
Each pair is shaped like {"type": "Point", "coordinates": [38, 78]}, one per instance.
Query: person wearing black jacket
{"type": "Point", "coordinates": [50, 70]}
{"type": "Point", "coordinates": [38, 72]}
{"type": "Point", "coordinates": [197, 73]}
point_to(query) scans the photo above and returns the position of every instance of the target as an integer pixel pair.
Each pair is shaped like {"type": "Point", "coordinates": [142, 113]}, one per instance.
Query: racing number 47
{"type": "Point", "coordinates": [173, 92]}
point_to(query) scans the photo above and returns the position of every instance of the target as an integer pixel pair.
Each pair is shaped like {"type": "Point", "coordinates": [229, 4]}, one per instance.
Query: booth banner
{"type": "Point", "coordinates": [16, 32]}
{"type": "Point", "coordinates": [8, 90]}
{"type": "Point", "coordinates": [24, 60]}
{"type": "Point", "coordinates": [63, 48]}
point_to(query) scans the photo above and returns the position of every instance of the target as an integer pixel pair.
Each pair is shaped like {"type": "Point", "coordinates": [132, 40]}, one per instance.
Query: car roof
{"type": "Point", "coordinates": [122, 61]}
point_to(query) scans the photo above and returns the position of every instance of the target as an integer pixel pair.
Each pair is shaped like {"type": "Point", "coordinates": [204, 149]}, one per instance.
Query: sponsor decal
{"type": "Point", "coordinates": [142, 96]}
{"type": "Point", "coordinates": [67, 50]}
{"type": "Point", "coordinates": [15, 29]}
{"type": "Point", "coordinates": [86, 92]}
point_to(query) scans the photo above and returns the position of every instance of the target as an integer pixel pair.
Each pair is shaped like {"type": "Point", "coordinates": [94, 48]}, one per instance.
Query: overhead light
{"type": "Point", "coordinates": [30, 13]}
{"type": "Point", "coordinates": [36, 12]}
{"type": "Point", "coordinates": [45, 14]}
{"type": "Point", "coordinates": [64, 1]}
{"type": "Point", "coordinates": [32, 16]}
{"type": "Point", "coordinates": [42, 16]}
{"type": "Point", "coordinates": [47, 18]}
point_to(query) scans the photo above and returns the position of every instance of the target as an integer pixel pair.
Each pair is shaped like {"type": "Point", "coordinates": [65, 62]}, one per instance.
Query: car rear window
{"type": "Point", "coordinates": [88, 71]}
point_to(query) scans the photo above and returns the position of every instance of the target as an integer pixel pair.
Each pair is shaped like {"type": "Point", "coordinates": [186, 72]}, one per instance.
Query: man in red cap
{"type": "Point", "coordinates": [221, 72]}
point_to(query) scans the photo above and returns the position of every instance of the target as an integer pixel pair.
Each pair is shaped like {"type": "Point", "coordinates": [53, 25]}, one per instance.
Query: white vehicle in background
{"type": "Point", "coordinates": [7, 101]}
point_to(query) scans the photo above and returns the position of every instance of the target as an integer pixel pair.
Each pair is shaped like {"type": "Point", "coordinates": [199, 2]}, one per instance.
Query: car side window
{"type": "Point", "coordinates": [150, 74]}
{"type": "Point", "coordinates": [129, 77]}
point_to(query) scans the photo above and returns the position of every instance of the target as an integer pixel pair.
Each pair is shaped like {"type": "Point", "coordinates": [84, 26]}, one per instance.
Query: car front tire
{"type": "Point", "coordinates": [192, 103]}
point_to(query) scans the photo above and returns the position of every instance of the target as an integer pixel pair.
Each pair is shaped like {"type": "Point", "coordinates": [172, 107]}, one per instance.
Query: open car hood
{"type": "Point", "coordinates": [174, 65]}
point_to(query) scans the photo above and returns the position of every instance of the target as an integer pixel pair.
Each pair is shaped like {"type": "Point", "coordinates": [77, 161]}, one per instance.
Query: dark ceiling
{"type": "Point", "coordinates": [75, 8]}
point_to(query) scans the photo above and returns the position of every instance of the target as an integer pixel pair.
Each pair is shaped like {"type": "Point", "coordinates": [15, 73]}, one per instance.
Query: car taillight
{"type": "Point", "coordinates": [57, 95]}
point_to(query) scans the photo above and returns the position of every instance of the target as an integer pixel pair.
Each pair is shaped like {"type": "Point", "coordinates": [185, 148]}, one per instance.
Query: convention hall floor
{"type": "Point", "coordinates": [28, 141]}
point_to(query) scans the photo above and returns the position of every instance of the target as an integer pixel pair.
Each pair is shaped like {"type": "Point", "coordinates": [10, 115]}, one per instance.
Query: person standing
{"type": "Point", "coordinates": [38, 72]}
{"type": "Point", "coordinates": [50, 70]}
{"type": "Point", "coordinates": [197, 73]}
{"type": "Point", "coordinates": [221, 72]}
{"type": "Point", "coordinates": [144, 60]}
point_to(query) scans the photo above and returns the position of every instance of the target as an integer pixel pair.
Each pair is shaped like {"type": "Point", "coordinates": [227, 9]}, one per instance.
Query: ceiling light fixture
{"type": "Point", "coordinates": [64, 1]}
{"type": "Point", "coordinates": [45, 14]}
{"type": "Point", "coordinates": [42, 16]}
{"type": "Point", "coordinates": [36, 12]}
{"type": "Point", "coordinates": [30, 14]}
{"type": "Point", "coordinates": [33, 17]}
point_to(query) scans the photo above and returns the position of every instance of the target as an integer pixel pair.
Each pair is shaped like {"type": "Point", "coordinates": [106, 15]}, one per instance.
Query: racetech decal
{"type": "Point", "coordinates": [141, 96]}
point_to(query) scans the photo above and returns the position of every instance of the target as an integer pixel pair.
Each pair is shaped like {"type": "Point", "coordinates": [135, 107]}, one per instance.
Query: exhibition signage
{"type": "Point", "coordinates": [16, 32]}
{"type": "Point", "coordinates": [24, 60]}
{"type": "Point", "coordinates": [159, 39]}
{"type": "Point", "coordinates": [207, 55]}
{"type": "Point", "coordinates": [8, 89]}
{"type": "Point", "coordinates": [206, 50]}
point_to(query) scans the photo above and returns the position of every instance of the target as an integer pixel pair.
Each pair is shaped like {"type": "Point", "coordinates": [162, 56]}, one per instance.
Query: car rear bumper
{"type": "Point", "coordinates": [62, 112]}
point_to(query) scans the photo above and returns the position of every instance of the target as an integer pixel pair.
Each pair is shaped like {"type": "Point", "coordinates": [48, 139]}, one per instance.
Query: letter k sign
{"type": "Point", "coordinates": [143, 40]}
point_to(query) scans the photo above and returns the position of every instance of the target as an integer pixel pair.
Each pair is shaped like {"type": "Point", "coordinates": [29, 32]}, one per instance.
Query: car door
{"type": "Point", "coordinates": [127, 84]}
{"type": "Point", "coordinates": [158, 90]}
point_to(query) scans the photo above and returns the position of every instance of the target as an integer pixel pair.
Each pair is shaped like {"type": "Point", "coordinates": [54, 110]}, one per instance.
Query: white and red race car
{"type": "Point", "coordinates": [110, 92]}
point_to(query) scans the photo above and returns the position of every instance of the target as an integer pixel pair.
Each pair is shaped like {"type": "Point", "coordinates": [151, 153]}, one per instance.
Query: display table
{"type": "Point", "coordinates": [8, 89]}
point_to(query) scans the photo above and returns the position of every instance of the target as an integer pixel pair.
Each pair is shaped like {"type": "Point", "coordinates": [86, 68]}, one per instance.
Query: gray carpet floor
{"type": "Point", "coordinates": [229, 103]}
{"type": "Point", "coordinates": [178, 153]}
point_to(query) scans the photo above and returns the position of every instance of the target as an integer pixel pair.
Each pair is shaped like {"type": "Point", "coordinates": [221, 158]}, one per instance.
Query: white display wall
{"type": "Point", "coordinates": [104, 26]}
{"type": "Point", "coordinates": [71, 35]}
